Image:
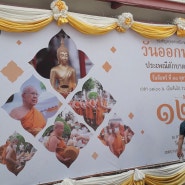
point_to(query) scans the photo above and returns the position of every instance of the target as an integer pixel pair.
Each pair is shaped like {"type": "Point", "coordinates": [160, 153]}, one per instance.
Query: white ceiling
{"type": "Point", "coordinates": [100, 8]}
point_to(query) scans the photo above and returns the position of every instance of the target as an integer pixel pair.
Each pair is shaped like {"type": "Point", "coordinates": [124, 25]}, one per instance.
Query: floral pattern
{"type": "Point", "coordinates": [60, 11]}
{"type": "Point", "coordinates": [180, 22]}
{"type": "Point", "coordinates": [125, 21]}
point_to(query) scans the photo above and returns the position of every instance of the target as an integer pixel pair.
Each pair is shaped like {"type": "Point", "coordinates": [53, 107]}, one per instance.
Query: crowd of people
{"type": "Point", "coordinates": [92, 109]}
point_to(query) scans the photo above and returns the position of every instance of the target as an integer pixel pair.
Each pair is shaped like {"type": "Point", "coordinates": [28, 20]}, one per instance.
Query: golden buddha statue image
{"type": "Point", "coordinates": [63, 76]}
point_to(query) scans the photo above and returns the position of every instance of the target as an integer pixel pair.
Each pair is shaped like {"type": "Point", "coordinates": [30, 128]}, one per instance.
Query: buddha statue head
{"type": "Point", "coordinates": [62, 53]}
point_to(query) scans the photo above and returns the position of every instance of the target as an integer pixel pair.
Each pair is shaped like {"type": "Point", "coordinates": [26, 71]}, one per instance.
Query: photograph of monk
{"type": "Point", "coordinates": [62, 63]}
{"type": "Point", "coordinates": [32, 106]}
{"type": "Point", "coordinates": [93, 103]}
{"type": "Point", "coordinates": [15, 153]}
{"type": "Point", "coordinates": [116, 136]}
{"type": "Point", "coordinates": [66, 137]}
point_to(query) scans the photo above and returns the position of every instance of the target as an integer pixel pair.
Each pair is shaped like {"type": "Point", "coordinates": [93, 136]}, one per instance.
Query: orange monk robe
{"type": "Point", "coordinates": [66, 152]}
{"type": "Point", "coordinates": [90, 104]}
{"type": "Point", "coordinates": [102, 137]}
{"type": "Point", "coordinates": [81, 108]}
{"type": "Point", "coordinates": [77, 107]}
{"type": "Point", "coordinates": [99, 113]}
{"type": "Point", "coordinates": [60, 147]}
{"type": "Point", "coordinates": [121, 130]}
{"type": "Point", "coordinates": [33, 121]}
{"type": "Point", "coordinates": [117, 145]}
{"type": "Point", "coordinates": [88, 109]}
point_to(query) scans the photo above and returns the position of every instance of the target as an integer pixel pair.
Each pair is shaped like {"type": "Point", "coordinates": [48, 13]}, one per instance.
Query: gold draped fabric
{"type": "Point", "coordinates": [19, 19]}
{"type": "Point", "coordinates": [178, 178]}
{"type": "Point", "coordinates": [154, 31]}
{"type": "Point", "coordinates": [89, 28]}
{"type": "Point", "coordinates": [9, 26]}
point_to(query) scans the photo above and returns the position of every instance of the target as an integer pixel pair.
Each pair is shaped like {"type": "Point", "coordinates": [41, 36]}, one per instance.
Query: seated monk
{"type": "Point", "coordinates": [65, 154]}
{"type": "Point", "coordinates": [31, 119]}
{"type": "Point", "coordinates": [63, 76]}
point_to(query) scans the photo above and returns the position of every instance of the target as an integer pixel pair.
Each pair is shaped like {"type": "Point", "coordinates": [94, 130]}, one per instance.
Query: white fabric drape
{"type": "Point", "coordinates": [120, 178]}
{"type": "Point", "coordinates": [21, 14]}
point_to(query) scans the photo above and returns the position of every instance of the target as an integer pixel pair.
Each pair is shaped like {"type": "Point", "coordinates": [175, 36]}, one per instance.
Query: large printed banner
{"type": "Point", "coordinates": [74, 105]}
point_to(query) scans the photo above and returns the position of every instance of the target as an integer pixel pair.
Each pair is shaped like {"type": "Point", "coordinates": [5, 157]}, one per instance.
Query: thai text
{"type": "Point", "coordinates": [166, 112]}
{"type": "Point", "coordinates": [155, 51]}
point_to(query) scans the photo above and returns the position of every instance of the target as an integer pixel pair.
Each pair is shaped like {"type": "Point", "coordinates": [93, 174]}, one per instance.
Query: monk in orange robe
{"type": "Point", "coordinates": [115, 142]}
{"type": "Point", "coordinates": [31, 119]}
{"type": "Point", "coordinates": [90, 107]}
{"type": "Point", "coordinates": [77, 107]}
{"type": "Point", "coordinates": [65, 154]}
{"type": "Point", "coordinates": [104, 135]}
{"type": "Point", "coordinates": [117, 146]}
{"type": "Point", "coordinates": [100, 110]}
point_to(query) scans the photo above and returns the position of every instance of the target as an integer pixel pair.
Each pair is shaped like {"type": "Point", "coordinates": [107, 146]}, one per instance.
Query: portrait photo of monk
{"type": "Point", "coordinates": [93, 103]}
{"type": "Point", "coordinates": [32, 106]}
{"type": "Point", "coordinates": [15, 153]}
{"type": "Point", "coordinates": [65, 138]}
{"type": "Point", "coordinates": [62, 63]}
{"type": "Point", "coordinates": [116, 136]}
